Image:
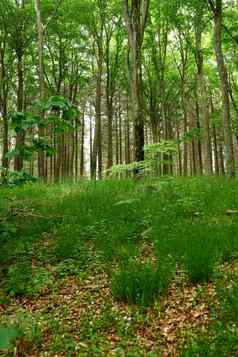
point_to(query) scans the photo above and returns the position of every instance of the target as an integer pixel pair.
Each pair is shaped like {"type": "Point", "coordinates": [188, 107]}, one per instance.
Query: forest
{"type": "Point", "coordinates": [118, 178]}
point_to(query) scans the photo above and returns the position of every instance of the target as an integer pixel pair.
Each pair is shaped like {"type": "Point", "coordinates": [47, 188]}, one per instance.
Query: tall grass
{"type": "Point", "coordinates": [185, 219]}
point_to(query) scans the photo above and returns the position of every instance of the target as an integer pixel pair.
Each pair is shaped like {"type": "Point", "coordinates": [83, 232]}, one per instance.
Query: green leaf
{"type": "Point", "coordinates": [12, 153]}
{"type": "Point", "coordinates": [7, 335]}
{"type": "Point", "coordinates": [69, 114]}
{"type": "Point", "coordinates": [57, 103]}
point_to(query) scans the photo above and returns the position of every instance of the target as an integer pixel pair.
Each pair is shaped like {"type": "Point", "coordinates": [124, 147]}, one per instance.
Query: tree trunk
{"type": "Point", "coordinates": [3, 106]}
{"type": "Point", "coordinates": [82, 147]}
{"type": "Point", "coordinates": [41, 156]}
{"type": "Point", "coordinates": [136, 15]}
{"type": "Point", "coordinates": [222, 70]}
{"type": "Point", "coordinates": [97, 145]}
{"type": "Point", "coordinates": [109, 100]}
{"type": "Point", "coordinates": [203, 102]}
{"type": "Point", "coordinates": [20, 136]}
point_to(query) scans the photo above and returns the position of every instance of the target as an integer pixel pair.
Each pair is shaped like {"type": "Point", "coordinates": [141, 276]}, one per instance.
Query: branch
{"type": "Point", "coordinates": [212, 5]}
{"type": "Point", "coordinates": [234, 39]}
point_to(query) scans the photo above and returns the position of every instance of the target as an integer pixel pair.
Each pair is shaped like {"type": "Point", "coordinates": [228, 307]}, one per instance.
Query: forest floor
{"type": "Point", "coordinates": [120, 268]}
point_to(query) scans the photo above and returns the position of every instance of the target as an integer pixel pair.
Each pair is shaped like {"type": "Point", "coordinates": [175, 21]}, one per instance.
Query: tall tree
{"type": "Point", "coordinates": [40, 30]}
{"type": "Point", "coordinates": [216, 7]}
{"type": "Point", "coordinates": [136, 15]}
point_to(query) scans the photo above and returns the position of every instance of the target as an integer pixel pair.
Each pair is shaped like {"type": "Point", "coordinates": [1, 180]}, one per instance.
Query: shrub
{"type": "Point", "coordinates": [138, 284]}
{"type": "Point", "coordinates": [228, 242]}
{"type": "Point", "coordinates": [7, 336]}
{"type": "Point", "coordinates": [17, 178]}
{"type": "Point", "coordinates": [228, 300]}
{"type": "Point", "coordinates": [219, 340]}
{"type": "Point", "coordinates": [67, 267]}
{"type": "Point", "coordinates": [23, 280]}
{"type": "Point", "coordinates": [18, 278]}
{"type": "Point", "coordinates": [200, 252]}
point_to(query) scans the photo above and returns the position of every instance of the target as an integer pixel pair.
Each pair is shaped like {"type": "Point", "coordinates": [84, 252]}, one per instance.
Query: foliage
{"type": "Point", "coordinates": [155, 154]}
{"type": "Point", "coordinates": [23, 280]}
{"type": "Point", "coordinates": [165, 147]}
{"type": "Point", "coordinates": [200, 253]}
{"type": "Point", "coordinates": [26, 123]}
{"type": "Point", "coordinates": [7, 336]}
{"type": "Point", "coordinates": [69, 247]}
{"type": "Point", "coordinates": [18, 278]}
{"type": "Point", "coordinates": [221, 337]}
{"type": "Point", "coordinates": [137, 284]}
{"type": "Point", "coordinates": [18, 178]}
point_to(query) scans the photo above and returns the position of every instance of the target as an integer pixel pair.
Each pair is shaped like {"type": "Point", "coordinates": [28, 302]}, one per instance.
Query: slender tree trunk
{"type": "Point", "coordinates": [222, 70]}
{"type": "Point", "coordinates": [41, 156]}
{"type": "Point", "coordinates": [216, 154]}
{"type": "Point", "coordinates": [97, 142]}
{"type": "Point", "coordinates": [20, 136]}
{"type": "Point", "coordinates": [185, 129]}
{"type": "Point", "coordinates": [221, 158]}
{"type": "Point", "coordinates": [136, 15]}
{"type": "Point", "coordinates": [76, 159]}
{"type": "Point", "coordinates": [109, 99]}
{"type": "Point", "coordinates": [5, 137]}
{"type": "Point", "coordinates": [91, 142]}
{"type": "Point", "coordinates": [117, 140]}
{"type": "Point", "coordinates": [120, 132]}
{"type": "Point", "coordinates": [3, 105]}
{"type": "Point", "coordinates": [203, 101]}
{"type": "Point", "coordinates": [82, 147]}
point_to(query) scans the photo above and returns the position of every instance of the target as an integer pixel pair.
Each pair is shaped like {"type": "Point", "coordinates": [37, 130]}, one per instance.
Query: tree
{"type": "Point", "coordinates": [40, 30]}
{"type": "Point", "coordinates": [136, 15]}
{"type": "Point", "coordinates": [216, 8]}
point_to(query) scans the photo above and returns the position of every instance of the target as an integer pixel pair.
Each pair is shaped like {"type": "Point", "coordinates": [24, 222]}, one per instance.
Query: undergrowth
{"type": "Point", "coordinates": [49, 233]}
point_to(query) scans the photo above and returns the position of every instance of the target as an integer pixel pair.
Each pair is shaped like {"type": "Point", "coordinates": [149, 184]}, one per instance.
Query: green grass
{"type": "Point", "coordinates": [137, 233]}
{"type": "Point", "coordinates": [137, 284]}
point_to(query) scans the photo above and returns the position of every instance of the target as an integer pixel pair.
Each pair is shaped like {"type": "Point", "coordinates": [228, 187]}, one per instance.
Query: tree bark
{"type": "Point", "coordinates": [203, 100]}
{"type": "Point", "coordinates": [216, 8]}
{"type": "Point", "coordinates": [20, 136]}
{"type": "Point", "coordinates": [82, 146]}
{"type": "Point", "coordinates": [3, 106]}
{"type": "Point", "coordinates": [136, 14]}
{"type": "Point", "coordinates": [41, 156]}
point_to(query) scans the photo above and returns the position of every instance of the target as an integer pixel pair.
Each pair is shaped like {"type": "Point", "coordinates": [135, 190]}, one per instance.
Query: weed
{"type": "Point", "coordinates": [18, 278]}
{"type": "Point", "coordinates": [22, 279]}
{"type": "Point", "coordinates": [200, 252]}
{"type": "Point", "coordinates": [138, 284]}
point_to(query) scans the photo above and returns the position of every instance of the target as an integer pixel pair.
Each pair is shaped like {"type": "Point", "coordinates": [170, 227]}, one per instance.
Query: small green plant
{"type": "Point", "coordinates": [200, 252]}
{"type": "Point", "coordinates": [228, 300]}
{"type": "Point", "coordinates": [68, 267]}
{"type": "Point", "coordinates": [137, 284]}
{"type": "Point", "coordinates": [155, 154]}
{"type": "Point", "coordinates": [7, 336]}
{"type": "Point", "coordinates": [228, 243]}
{"type": "Point", "coordinates": [23, 280]}
{"type": "Point", "coordinates": [7, 230]}
{"type": "Point", "coordinates": [18, 178]}
{"type": "Point", "coordinates": [219, 340]}
{"type": "Point", "coordinates": [18, 278]}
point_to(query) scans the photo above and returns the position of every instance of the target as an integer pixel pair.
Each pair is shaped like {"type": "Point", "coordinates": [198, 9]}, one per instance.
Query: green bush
{"type": "Point", "coordinates": [200, 252]}
{"type": "Point", "coordinates": [7, 336]}
{"type": "Point", "coordinates": [17, 178]}
{"type": "Point", "coordinates": [67, 267]}
{"type": "Point", "coordinates": [218, 341]}
{"type": "Point", "coordinates": [138, 284]}
{"type": "Point", "coordinates": [23, 280]}
{"type": "Point", "coordinates": [228, 301]}
{"type": "Point", "coordinates": [18, 278]}
{"type": "Point", "coordinates": [228, 242]}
